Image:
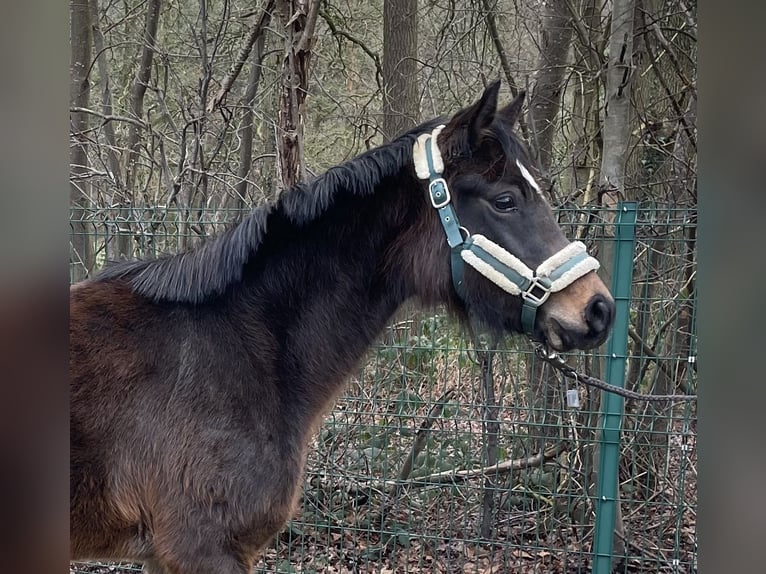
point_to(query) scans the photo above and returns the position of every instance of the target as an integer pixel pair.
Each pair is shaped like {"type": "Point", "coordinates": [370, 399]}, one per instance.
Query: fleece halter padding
{"type": "Point", "coordinates": [554, 274]}
{"type": "Point", "coordinates": [487, 257]}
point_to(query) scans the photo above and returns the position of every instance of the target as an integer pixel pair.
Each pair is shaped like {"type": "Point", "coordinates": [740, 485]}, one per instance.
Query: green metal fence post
{"type": "Point", "coordinates": [611, 409]}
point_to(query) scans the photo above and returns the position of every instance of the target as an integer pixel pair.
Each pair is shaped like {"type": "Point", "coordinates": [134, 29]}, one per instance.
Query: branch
{"type": "Point", "coordinates": [109, 118]}
{"type": "Point", "coordinates": [655, 68]}
{"type": "Point", "coordinates": [343, 34]}
{"type": "Point", "coordinates": [452, 476]}
{"type": "Point", "coordinates": [304, 43]}
{"type": "Point", "coordinates": [647, 350]}
{"type": "Point", "coordinates": [242, 55]}
{"type": "Point", "coordinates": [396, 488]}
{"type": "Point", "coordinates": [489, 16]}
{"type": "Point", "coordinates": [689, 20]}
{"type": "Point", "coordinates": [654, 27]}
{"type": "Point", "coordinates": [420, 438]}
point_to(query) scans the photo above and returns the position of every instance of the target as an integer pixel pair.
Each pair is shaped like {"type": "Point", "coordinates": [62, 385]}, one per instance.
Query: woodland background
{"type": "Point", "coordinates": [185, 114]}
{"type": "Point", "coordinates": [199, 106]}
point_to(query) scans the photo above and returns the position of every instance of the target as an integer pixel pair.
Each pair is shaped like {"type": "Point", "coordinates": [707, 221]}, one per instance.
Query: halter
{"type": "Point", "coordinates": [487, 257]}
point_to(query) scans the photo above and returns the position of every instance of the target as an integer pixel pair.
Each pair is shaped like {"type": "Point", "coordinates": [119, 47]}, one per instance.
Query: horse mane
{"type": "Point", "coordinates": [206, 271]}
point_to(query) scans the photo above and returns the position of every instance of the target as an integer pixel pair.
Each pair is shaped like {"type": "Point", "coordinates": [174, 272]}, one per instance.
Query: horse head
{"type": "Point", "coordinates": [513, 270]}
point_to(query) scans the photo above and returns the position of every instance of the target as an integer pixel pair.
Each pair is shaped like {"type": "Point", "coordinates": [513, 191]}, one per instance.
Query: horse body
{"type": "Point", "coordinates": [200, 414]}
{"type": "Point", "coordinates": [169, 428]}
{"type": "Point", "coordinates": [198, 380]}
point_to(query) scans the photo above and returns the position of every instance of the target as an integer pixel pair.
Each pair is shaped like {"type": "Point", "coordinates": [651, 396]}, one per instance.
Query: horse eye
{"type": "Point", "coordinates": [504, 203]}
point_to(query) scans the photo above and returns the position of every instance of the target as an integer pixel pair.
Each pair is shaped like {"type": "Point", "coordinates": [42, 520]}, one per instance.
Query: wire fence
{"type": "Point", "coordinates": [448, 454]}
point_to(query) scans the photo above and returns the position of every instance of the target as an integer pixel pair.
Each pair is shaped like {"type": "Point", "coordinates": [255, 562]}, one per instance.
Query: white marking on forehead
{"type": "Point", "coordinates": [528, 177]}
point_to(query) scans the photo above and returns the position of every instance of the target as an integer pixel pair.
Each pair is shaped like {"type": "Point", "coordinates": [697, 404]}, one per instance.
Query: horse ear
{"type": "Point", "coordinates": [469, 123]}
{"type": "Point", "coordinates": [510, 113]}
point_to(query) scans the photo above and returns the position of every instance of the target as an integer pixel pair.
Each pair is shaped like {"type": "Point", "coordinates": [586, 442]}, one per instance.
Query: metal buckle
{"type": "Point", "coordinates": [541, 283]}
{"type": "Point", "coordinates": [436, 193]}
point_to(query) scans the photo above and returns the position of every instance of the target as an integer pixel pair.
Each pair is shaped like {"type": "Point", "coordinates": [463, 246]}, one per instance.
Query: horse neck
{"type": "Point", "coordinates": [318, 295]}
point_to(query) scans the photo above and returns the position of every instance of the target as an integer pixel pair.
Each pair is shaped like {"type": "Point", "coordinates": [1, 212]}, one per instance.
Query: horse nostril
{"type": "Point", "coordinates": [599, 313]}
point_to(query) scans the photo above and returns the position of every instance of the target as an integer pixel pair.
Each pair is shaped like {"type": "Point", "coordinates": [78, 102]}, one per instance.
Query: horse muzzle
{"type": "Point", "coordinates": [578, 317]}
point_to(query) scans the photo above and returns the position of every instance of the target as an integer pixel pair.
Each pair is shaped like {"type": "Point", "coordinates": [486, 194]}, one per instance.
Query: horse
{"type": "Point", "coordinates": [198, 379]}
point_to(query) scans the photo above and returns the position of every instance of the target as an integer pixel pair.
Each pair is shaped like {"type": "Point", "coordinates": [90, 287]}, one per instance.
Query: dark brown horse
{"type": "Point", "coordinates": [198, 379]}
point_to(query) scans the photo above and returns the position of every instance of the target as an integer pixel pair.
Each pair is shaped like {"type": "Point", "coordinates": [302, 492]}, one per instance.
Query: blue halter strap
{"type": "Point", "coordinates": [442, 202]}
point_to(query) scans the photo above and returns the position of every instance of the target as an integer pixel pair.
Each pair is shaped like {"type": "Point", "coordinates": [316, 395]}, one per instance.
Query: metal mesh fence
{"type": "Point", "coordinates": [448, 454]}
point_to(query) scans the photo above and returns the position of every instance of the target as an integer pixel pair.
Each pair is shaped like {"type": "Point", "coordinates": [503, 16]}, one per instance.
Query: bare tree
{"type": "Point", "coordinates": [617, 116]}
{"type": "Point", "coordinates": [585, 147]}
{"type": "Point", "coordinates": [136, 107]}
{"type": "Point", "coordinates": [617, 135]}
{"type": "Point", "coordinates": [401, 106]}
{"type": "Point", "coordinates": [113, 159]}
{"type": "Point", "coordinates": [254, 38]}
{"type": "Point", "coordinates": [545, 102]}
{"type": "Point", "coordinates": [298, 19]}
{"type": "Point", "coordinates": [246, 130]}
{"type": "Point", "coordinates": [79, 95]}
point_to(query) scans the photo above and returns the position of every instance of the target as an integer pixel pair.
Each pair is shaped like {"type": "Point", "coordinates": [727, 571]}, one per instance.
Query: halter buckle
{"type": "Point", "coordinates": [439, 192]}
{"type": "Point", "coordinates": [542, 284]}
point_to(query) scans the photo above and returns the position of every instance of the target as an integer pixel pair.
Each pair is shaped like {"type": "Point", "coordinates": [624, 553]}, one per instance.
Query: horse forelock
{"type": "Point", "coordinates": [206, 271]}
{"type": "Point", "coordinates": [492, 161]}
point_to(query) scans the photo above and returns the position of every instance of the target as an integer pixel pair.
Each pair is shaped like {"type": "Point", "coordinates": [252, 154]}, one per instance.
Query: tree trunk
{"type": "Point", "coordinates": [106, 98]}
{"type": "Point", "coordinates": [648, 295]}
{"type": "Point", "coordinates": [545, 102]}
{"type": "Point", "coordinates": [401, 105]}
{"type": "Point", "coordinates": [490, 9]}
{"type": "Point", "coordinates": [79, 94]}
{"type": "Point", "coordinates": [269, 179]}
{"type": "Point", "coordinates": [194, 186]}
{"type": "Point", "coordinates": [544, 105]}
{"type": "Point", "coordinates": [490, 432]}
{"type": "Point", "coordinates": [616, 130]}
{"type": "Point", "coordinates": [617, 116]}
{"type": "Point", "coordinates": [684, 188]}
{"type": "Point", "coordinates": [298, 19]}
{"type": "Point", "coordinates": [683, 167]}
{"type": "Point", "coordinates": [586, 125]}
{"type": "Point", "coordinates": [246, 131]}
{"type": "Point", "coordinates": [136, 107]}
{"type": "Point", "coordinates": [116, 186]}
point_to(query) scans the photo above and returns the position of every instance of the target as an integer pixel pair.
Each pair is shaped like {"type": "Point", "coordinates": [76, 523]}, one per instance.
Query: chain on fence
{"type": "Point", "coordinates": [449, 454]}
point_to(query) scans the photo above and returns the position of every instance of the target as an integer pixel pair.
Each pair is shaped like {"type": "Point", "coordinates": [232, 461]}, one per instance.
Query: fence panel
{"type": "Point", "coordinates": [398, 479]}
